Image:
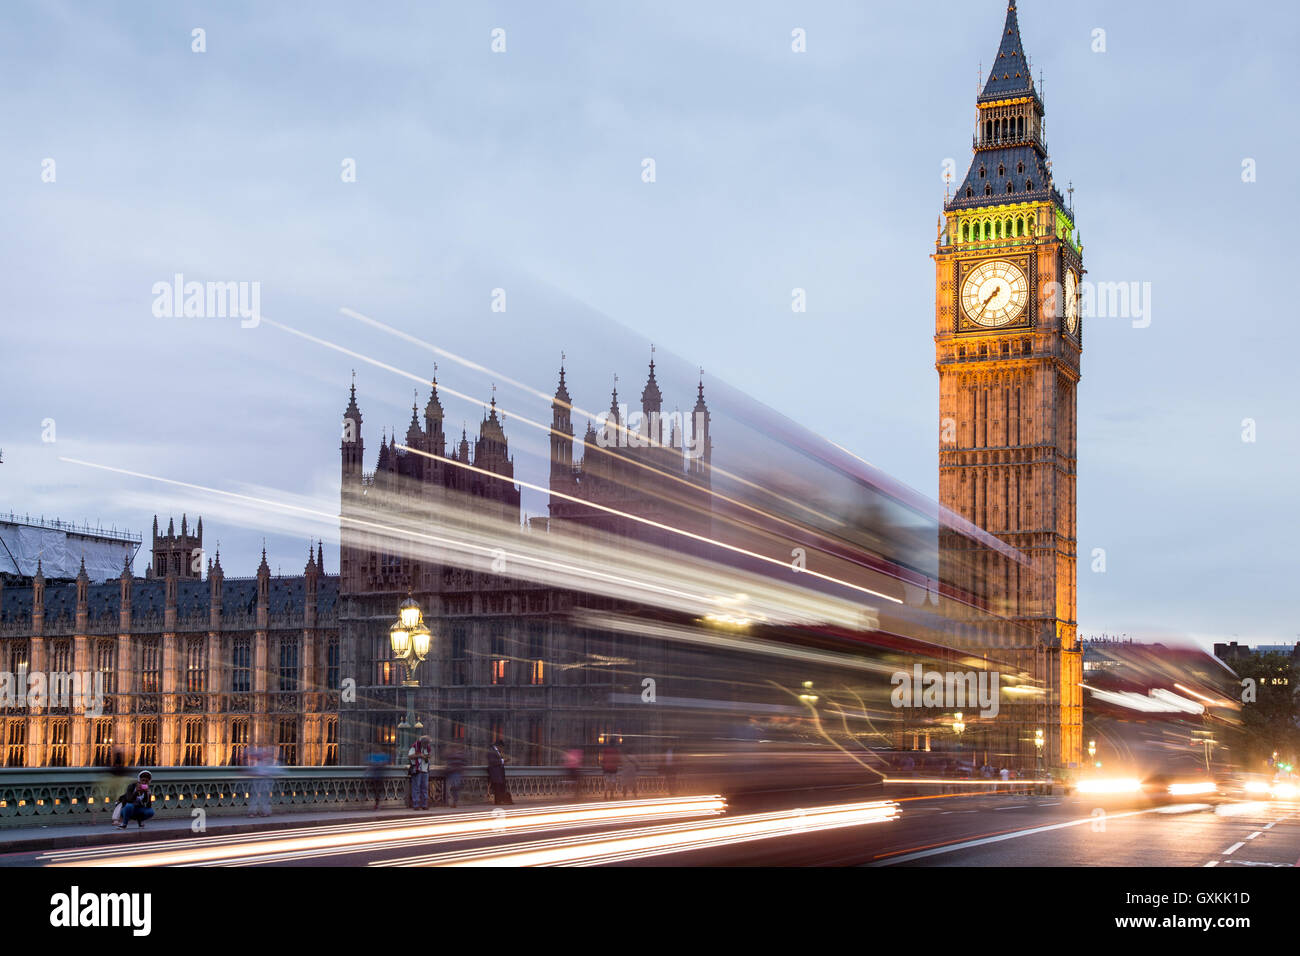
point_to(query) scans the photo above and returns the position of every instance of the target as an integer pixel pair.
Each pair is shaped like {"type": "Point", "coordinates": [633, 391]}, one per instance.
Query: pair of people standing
{"type": "Point", "coordinates": [417, 769]}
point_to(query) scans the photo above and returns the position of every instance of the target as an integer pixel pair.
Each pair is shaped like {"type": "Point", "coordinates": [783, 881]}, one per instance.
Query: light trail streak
{"type": "Point", "coordinates": [782, 563]}
{"type": "Point", "coordinates": [660, 841]}
{"type": "Point", "coordinates": [457, 827]}
{"type": "Point", "coordinates": [413, 340]}
{"type": "Point", "coordinates": [676, 570]}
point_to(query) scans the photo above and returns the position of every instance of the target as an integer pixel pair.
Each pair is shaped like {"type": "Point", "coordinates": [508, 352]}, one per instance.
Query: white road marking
{"type": "Point", "coordinates": [1018, 806]}
{"type": "Point", "coordinates": [1213, 863]}
{"type": "Point", "coordinates": [1270, 826]}
{"type": "Point", "coordinates": [1255, 834]}
{"type": "Point", "coordinates": [1233, 849]}
{"type": "Point", "coordinates": [920, 854]}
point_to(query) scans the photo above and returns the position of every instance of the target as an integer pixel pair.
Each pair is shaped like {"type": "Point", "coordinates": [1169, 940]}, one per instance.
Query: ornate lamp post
{"type": "Point", "coordinates": [1039, 740]}
{"type": "Point", "coordinates": [410, 641]}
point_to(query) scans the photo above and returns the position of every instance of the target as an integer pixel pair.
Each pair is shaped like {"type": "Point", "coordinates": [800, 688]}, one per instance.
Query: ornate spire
{"type": "Point", "coordinates": [562, 391]}
{"type": "Point", "coordinates": [433, 407]}
{"type": "Point", "coordinates": [320, 555]}
{"type": "Point", "coordinates": [352, 411]}
{"type": "Point", "coordinates": [413, 432]}
{"type": "Point", "coordinates": [1010, 75]}
{"type": "Point", "coordinates": [263, 568]}
{"type": "Point", "coordinates": [651, 397]}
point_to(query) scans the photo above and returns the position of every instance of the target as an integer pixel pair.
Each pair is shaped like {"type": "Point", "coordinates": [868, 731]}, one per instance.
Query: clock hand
{"type": "Point", "coordinates": [985, 305]}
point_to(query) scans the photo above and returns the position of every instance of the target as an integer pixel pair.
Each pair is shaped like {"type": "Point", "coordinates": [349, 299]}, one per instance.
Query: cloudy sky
{"type": "Point", "coordinates": [522, 170]}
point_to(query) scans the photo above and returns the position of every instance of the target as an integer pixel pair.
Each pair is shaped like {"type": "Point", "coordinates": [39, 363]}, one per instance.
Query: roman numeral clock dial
{"type": "Point", "coordinates": [994, 293]}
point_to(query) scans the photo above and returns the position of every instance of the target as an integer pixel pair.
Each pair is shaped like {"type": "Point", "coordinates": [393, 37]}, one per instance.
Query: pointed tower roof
{"type": "Point", "coordinates": [263, 568]}
{"type": "Point", "coordinates": [171, 527]}
{"type": "Point", "coordinates": [491, 426]}
{"type": "Point", "coordinates": [383, 450]}
{"type": "Point", "coordinates": [81, 575]}
{"type": "Point", "coordinates": [651, 397]}
{"type": "Point", "coordinates": [1010, 74]}
{"type": "Point", "coordinates": [699, 400]}
{"type": "Point", "coordinates": [320, 555]}
{"type": "Point", "coordinates": [184, 525]}
{"type": "Point", "coordinates": [413, 431]}
{"type": "Point", "coordinates": [562, 391]}
{"type": "Point", "coordinates": [433, 407]}
{"type": "Point", "coordinates": [352, 411]}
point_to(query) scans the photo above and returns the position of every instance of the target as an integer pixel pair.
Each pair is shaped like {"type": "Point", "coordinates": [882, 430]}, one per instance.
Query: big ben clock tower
{"type": "Point", "coordinates": [1008, 338]}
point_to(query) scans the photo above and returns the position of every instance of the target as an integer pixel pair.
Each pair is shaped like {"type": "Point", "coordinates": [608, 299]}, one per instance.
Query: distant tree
{"type": "Point", "coordinates": [1271, 722]}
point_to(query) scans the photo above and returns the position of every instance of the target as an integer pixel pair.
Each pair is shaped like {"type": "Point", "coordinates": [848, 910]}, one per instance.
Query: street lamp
{"type": "Point", "coordinates": [1039, 740]}
{"type": "Point", "coordinates": [808, 697]}
{"type": "Point", "coordinates": [1092, 750]}
{"type": "Point", "coordinates": [410, 639]}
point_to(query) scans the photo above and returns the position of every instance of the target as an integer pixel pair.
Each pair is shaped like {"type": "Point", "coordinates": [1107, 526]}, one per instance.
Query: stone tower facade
{"type": "Point", "coordinates": [176, 554]}
{"type": "Point", "coordinates": [1008, 338]}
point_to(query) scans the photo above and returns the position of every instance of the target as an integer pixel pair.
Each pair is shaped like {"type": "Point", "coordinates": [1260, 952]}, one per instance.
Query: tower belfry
{"type": "Point", "coordinates": [1008, 340]}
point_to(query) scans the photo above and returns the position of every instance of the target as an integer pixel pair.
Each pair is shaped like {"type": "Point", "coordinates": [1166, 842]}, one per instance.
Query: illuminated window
{"type": "Point", "coordinates": [106, 664]}
{"type": "Point", "coordinates": [287, 742]}
{"type": "Point", "coordinates": [331, 742]}
{"type": "Point", "coordinates": [499, 659]}
{"type": "Point", "coordinates": [239, 742]}
{"type": "Point", "coordinates": [192, 755]}
{"type": "Point", "coordinates": [59, 742]}
{"type": "Point", "coordinates": [288, 663]}
{"type": "Point", "coordinates": [536, 653]}
{"type": "Point", "coordinates": [150, 666]}
{"type": "Point", "coordinates": [103, 743]}
{"type": "Point", "coordinates": [148, 755]}
{"type": "Point", "coordinates": [61, 657]}
{"type": "Point", "coordinates": [196, 669]}
{"type": "Point", "coordinates": [241, 666]}
{"type": "Point", "coordinates": [16, 743]}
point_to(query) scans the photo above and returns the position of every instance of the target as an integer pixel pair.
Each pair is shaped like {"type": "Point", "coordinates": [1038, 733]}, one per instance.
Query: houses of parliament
{"type": "Point", "coordinates": [197, 667]}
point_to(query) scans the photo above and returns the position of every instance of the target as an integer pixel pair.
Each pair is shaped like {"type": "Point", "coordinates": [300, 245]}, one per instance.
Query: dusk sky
{"type": "Point", "coordinates": [522, 170]}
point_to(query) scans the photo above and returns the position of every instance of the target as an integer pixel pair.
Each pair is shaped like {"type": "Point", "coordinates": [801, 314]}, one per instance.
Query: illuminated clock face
{"type": "Point", "coordinates": [994, 293]}
{"type": "Point", "coordinates": [1071, 302]}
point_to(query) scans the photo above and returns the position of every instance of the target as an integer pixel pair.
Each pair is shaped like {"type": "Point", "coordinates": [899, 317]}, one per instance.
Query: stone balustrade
{"type": "Point", "coordinates": [78, 794]}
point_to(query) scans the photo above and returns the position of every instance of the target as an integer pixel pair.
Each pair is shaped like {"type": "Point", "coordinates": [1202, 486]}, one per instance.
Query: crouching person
{"type": "Point", "coordinates": [137, 801]}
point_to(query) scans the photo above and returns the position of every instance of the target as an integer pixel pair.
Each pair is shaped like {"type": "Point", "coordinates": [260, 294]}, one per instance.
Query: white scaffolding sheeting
{"type": "Point", "coordinates": [61, 551]}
